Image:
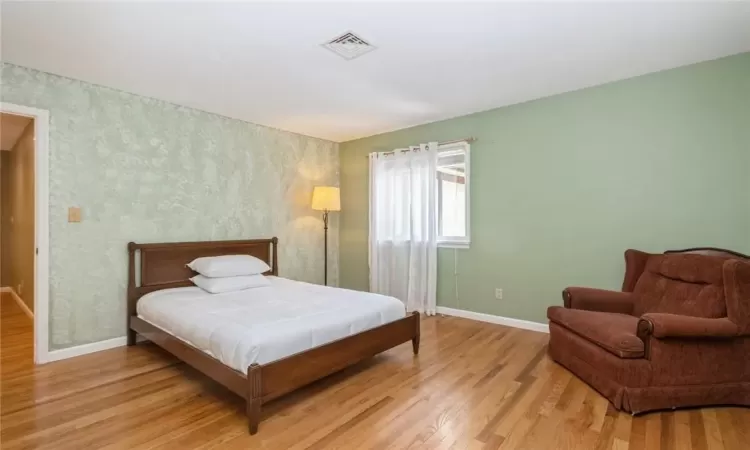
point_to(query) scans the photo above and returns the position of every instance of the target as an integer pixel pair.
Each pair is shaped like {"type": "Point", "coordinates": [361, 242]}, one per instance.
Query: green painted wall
{"type": "Point", "coordinates": [145, 170]}
{"type": "Point", "coordinates": [563, 185]}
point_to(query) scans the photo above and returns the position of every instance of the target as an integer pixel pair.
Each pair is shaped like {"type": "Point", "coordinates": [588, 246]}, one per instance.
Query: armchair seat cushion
{"type": "Point", "coordinates": [615, 333]}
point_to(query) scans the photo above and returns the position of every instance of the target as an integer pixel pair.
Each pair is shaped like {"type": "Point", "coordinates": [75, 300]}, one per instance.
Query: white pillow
{"type": "Point", "coordinates": [228, 266]}
{"type": "Point", "coordinates": [229, 284]}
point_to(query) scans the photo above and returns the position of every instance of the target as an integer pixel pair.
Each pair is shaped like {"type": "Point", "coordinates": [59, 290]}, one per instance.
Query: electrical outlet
{"type": "Point", "coordinates": [499, 293]}
{"type": "Point", "coordinates": [19, 289]}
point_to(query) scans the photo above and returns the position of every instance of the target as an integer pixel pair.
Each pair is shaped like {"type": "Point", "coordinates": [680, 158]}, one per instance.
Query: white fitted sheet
{"type": "Point", "coordinates": [263, 324]}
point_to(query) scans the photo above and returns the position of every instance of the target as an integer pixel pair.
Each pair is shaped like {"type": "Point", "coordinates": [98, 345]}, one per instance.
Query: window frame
{"type": "Point", "coordinates": [462, 147]}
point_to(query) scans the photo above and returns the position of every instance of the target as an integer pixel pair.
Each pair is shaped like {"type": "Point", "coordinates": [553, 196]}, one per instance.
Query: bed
{"type": "Point", "coordinates": [260, 343]}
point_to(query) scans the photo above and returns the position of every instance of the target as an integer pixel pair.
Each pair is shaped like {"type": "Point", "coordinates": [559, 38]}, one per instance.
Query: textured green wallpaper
{"type": "Point", "coordinates": [149, 171]}
{"type": "Point", "coordinates": [563, 185]}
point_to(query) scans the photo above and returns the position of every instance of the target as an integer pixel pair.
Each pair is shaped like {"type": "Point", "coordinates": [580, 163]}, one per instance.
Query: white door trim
{"type": "Point", "coordinates": [41, 225]}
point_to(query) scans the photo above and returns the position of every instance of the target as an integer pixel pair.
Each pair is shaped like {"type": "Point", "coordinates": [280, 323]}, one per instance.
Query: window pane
{"type": "Point", "coordinates": [451, 195]}
{"type": "Point", "coordinates": [453, 209]}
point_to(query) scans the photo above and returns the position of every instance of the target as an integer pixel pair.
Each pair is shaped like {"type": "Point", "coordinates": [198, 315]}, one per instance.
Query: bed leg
{"type": "Point", "coordinates": [415, 339]}
{"type": "Point", "coordinates": [131, 337]}
{"type": "Point", "coordinates": [254, 397]}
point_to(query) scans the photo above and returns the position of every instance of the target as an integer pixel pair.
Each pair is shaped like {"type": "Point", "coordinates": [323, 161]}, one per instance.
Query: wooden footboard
{"type": "Point", "coordinates": [269, 381]}
{"type": "Point", "coordinates": [265, 382]}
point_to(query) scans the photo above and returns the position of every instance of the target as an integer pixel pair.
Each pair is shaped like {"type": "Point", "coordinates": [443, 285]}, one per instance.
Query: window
{"type": "Point", "coordinates": [453, 195]}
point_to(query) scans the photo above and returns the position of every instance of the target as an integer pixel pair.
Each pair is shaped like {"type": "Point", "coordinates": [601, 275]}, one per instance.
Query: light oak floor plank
{"type": "Point", "coordinates": [473, 386]}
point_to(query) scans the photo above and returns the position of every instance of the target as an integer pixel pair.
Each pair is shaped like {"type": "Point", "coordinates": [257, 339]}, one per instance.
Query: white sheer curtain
{"type": "Point", "coordinates": [403, 234]}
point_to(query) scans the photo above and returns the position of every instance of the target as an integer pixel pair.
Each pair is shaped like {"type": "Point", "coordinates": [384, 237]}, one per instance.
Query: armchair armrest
{"type": "Point", "coordinates": [598, 300]}
{"type": "Point", "coordinates": [661, 325]}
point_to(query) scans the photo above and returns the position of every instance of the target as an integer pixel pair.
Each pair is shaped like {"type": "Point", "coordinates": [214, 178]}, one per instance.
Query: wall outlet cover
{"type": "Point", "coordinates": [498, 293]}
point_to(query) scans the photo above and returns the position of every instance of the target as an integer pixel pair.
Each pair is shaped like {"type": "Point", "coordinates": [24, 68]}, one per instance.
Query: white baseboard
{"type": "Point", "coordinates": [65, 353]}
{"type": "Point", "coordinates": [500, 320]}
{"type": "Point", "coordinates": [18, 300]}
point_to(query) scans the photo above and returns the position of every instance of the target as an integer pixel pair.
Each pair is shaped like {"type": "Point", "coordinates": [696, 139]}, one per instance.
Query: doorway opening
{"type": "Point", "coordinates": [24, 235]}
{"type": "Point", "coordinates": [17, 237]}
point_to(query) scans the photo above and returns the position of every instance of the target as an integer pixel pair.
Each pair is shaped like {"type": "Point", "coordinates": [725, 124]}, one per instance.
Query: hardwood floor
{"type": "Point", "coordinates": [473, 386]}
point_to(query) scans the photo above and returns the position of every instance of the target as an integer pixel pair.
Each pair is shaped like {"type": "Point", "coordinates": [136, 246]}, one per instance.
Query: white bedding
{"type": "Point", "coordinates": [263, 324]}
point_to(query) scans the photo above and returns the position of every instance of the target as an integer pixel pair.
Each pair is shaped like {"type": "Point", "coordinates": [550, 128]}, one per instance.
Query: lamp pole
{"type": "Point", "coordinates": [325, 240]}
{"type": "Point", "coordinates": [326, 199]}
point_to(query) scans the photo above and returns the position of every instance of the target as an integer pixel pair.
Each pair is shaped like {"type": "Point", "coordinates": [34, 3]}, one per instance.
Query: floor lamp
{"type": "Point", "coordinates": [326, 199]}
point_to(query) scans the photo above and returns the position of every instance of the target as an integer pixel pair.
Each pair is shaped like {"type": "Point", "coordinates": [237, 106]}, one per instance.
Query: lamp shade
{"type": "Point", "coordinates": [326, 198]}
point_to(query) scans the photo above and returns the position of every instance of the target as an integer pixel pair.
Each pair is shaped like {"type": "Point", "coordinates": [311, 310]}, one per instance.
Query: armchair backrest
{"type": "Point", "coordinates": [635, 261]}
{"type": "Point", "coordinates": [685, 284]}
{"type": "Point", "coordinates": [675, 285]}
{"type": "Point", "coordinates": [737, 287]}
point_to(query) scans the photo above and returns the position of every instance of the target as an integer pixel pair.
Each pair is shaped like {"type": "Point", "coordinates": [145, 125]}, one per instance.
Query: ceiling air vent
{"type": "Point", "coordinates": [349, 46]}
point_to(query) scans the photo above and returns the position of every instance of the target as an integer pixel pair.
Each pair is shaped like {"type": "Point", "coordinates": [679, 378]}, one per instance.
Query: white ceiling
{"type": "Point", "coordinates": [263, 63]}
{"type": "Point", "coordinates": [11, 129]}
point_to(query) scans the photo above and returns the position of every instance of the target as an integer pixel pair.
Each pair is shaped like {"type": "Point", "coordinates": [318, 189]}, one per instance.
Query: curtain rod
{"type": "Point", "coordinates": [468, 139]}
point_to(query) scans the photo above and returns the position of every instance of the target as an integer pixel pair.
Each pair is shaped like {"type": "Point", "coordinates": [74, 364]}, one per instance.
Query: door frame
{"type": "Point", "coordinates": [41, 225]}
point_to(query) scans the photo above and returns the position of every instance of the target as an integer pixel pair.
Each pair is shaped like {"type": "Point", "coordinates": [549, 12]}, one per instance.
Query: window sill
{"type": "Point", "coordinates": [453, 244]}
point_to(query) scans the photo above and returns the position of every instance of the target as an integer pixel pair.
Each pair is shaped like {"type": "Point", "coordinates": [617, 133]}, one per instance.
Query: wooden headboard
{"type": "Point", "coordinates": [164, 265]}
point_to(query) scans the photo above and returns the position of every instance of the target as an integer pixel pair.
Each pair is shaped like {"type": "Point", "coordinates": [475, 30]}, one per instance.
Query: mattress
{"type": "Point", "coordinates": [263, 324]}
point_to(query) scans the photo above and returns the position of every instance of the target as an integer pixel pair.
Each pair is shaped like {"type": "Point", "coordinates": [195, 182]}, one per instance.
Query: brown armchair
{"type": "Point", "coordinates": [677, 335]}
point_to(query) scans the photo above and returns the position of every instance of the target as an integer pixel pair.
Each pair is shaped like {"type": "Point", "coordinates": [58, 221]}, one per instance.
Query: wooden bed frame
{"type": "Point", "coordinates": [163, 266]}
